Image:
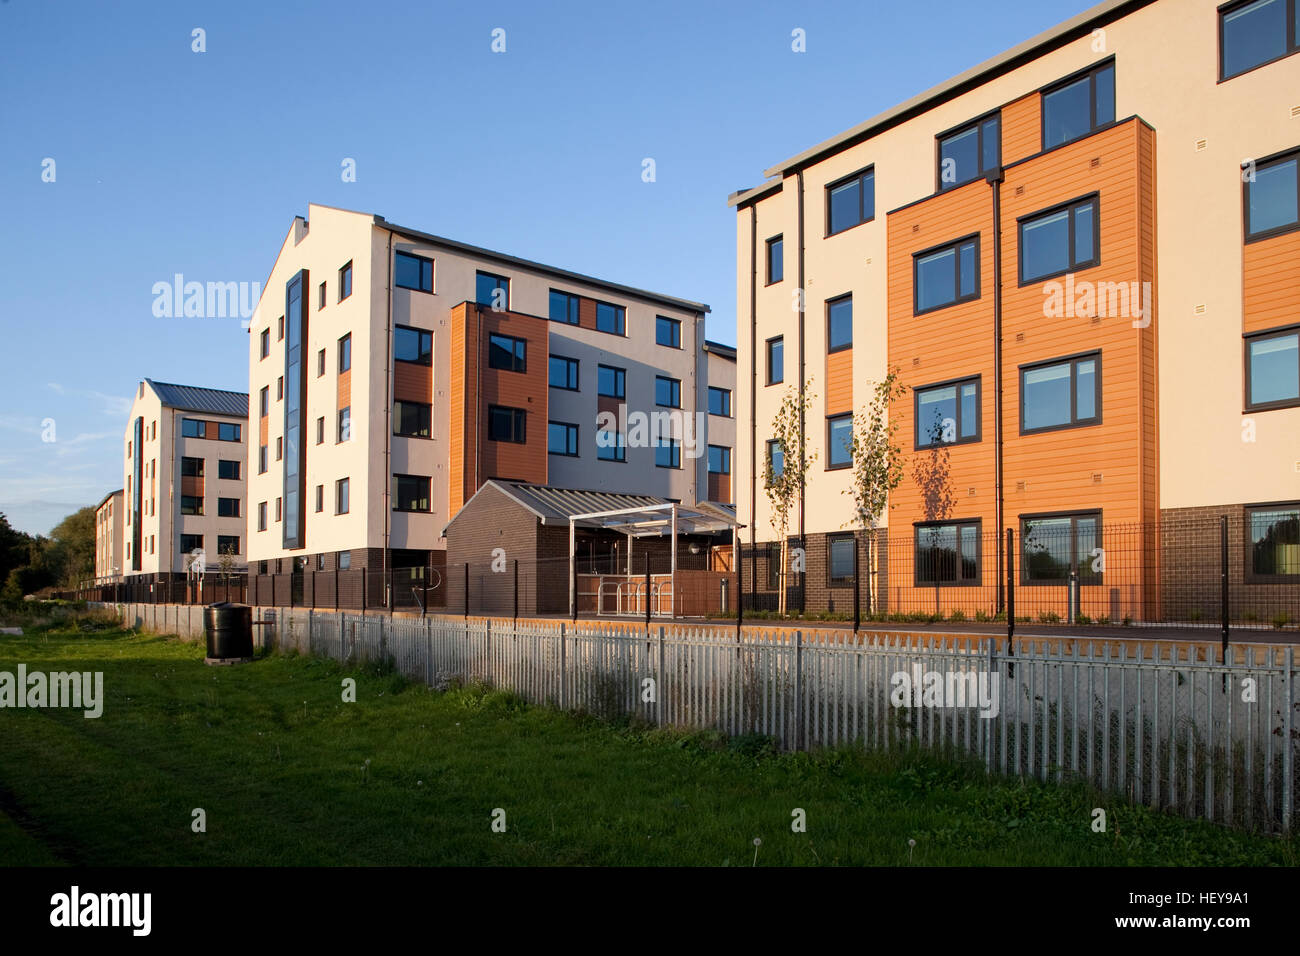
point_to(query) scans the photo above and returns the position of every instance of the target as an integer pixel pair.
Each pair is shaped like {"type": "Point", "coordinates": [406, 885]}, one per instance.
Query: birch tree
{"type": "Point", "coordinates": [784, 483]}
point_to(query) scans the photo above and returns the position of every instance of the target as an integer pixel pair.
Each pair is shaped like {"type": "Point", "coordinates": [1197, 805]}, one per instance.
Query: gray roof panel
{"type": "Point", "coordinates": [194, 398]}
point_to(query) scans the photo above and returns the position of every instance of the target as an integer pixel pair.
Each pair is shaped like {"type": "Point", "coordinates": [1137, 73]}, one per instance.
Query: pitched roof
{"type": "Point", "coordinates": [194, 398]}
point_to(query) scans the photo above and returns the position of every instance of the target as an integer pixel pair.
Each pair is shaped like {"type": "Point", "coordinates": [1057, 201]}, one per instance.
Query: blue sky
{"type": "Point", "coordinates": [170, 161]}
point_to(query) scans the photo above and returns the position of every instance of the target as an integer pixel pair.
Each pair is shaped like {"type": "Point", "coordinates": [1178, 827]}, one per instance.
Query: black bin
{"type": "Point", "coordinates": [229, 630]}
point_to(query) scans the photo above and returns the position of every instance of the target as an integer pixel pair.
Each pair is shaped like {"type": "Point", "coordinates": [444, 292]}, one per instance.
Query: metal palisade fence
{"type": "Point", "coordinates": [1166, 724]}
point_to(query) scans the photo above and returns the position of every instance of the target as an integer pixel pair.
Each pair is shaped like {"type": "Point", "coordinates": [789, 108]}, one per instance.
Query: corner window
{"type": "Point", "coordinates": [1254, 33]}
{"type": "Point", "coordinates": [506, 424]}
{"type": "Point", "coordinates": [1273, 197]}
{"type": "Point", "coordinates": [562, 439]}
{"type": "Point", "coordinates": [668, 392]}
{"type": "Point", "coordinates": [564, 307]}
{"type": "Point", "coordinates": [410, 493]}
{"type": "Point", "coordinates": [1274, 542]}
{"type": "Point", "coordinates": [839, 324]}
{"type": "Point", "coordinates": [668, 332]}
{"type": "Point", "coordinates": [412, 345]}
{"type": "Point", "coordinates": [839, 560]}
{"type": "Point", "coordinates": [1060, 394]}
{"type": "Point", "coordinates": [412, 419]}
{"type": "Point", "coordinates": [492, 291]}
{"type": "Point", "coordinates": [948, 414]}
{"type": "Point", "coordinates": [1273, 369]}
{"type": "Point", "coordinates": [610, 318]}
{"type": "Point", "coordinates": [345, 282]}
{"type": "Point", "coordinates": [507, 353]}
{"type": "Point", "coordinates": [412, 272]}
{"type": "Point", "coordinates": [946, 275]}
{"type": "Point", "coordinates": [719, 401]}
{"type": "Point", "coordinates": [562, 372]}
{"type": "Point", "coordinates": [1079, 106]}
{"type": "Point", "coordinates": [775, 361]}
{"type": "Point", "coordinates": [775, 259]}
{"type": "Point", "coordinates": [839, 441]}
{"type": "Point", "coordinates": [611, 382]}
{"type": "Point", "coordinates": [968, 153]}
{"type": "Point", "coordinates": [1060, 240]}
{"type": "Point", "coordinates": [1053, 546]}
{"type": "Point", "coordinates": [850, 201]}
{"type": "Point", "coordinates": [947, 553]}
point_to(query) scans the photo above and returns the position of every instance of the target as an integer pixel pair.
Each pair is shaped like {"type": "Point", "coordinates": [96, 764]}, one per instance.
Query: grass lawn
{"type": "Point", "coordinates": [278, 763]}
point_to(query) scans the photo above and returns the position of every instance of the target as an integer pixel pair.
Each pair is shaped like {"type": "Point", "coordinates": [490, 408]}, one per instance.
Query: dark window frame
{"type": "Point", "coordinates": [345, 353]}
{"type": "Point", "coordinates": [425, 357]}
{"type": "Point", "coordinates": [428, 493]}
{"type": "Point", "coordinates": [830, 419]}
{"type": "Point", "coordinates": [722, 391]}
{"type": "Point", "coordinates": [198, 512]}
{"type": "Point", "coordinates": [1074, 422]}
{"type": "Point", "coordinates": [518, 361]}
{"type": "Point", "coordinates": [957, 383]}
{"type": "Point", "coordinates": [570, 365]}
{"type": "Point", "coordinates": [960, 524]}
{"type": "Point", "coordinates": [675, 325]}
{"type": "Point", "coordinates": [830, 303]}
{"type": "Point", "coordinates": [185, 460]}
{"type": "Point", "coordinates": [1096, 579]}
{"type": "Point", "coordinates": [978, 125]}
{"type": "Point", "coordinates": [1292, 47]}
{"type": "Point", "coordinates": [614, 453]}
{"type": "Point", "coordinates": [620, 312]}
{"type": "Point", "coordinates": [1251, 575]}
{"type": "Point", "coordinates": [674, 445]}
{"type": "Point", "coordinates": [769, 259]}
{"type": "Point", "coordinates": [345, 280]}
{"type": "Point", "coordinates": [620, 377]}
{"type": "Point", "coordinates": [708, 466]}
{"type": "Point", "coordinates": [675, 386]}
{"type": "Point", "coordinates": [221, 470]}
{"type": "Point", "coordinates": [479, 273]}
{"type": "Point", "coordinates": [572, 306]}
{"type": "Point", "coordinates": [955, 245]}
{"type": "Point", "coordinates": [1246, 340]}
{"type": "Point", "coordinates": [1274, 159]}
{"type": "Point", "coordinates": [1090, 73]}
{"type": "Point", "coordinates": [831, 540]}
{"type": "Point", "coordinates": [427, 420]}
{"type": "Point", "coordinates": [222, 514]}
{"type": "Point", "coordinates": [339, 486]}
{"type": "Point", "coordinates": [570, 439]}
{"type": "Point", "coordinates": [1091, 199]}
{"type": "Point", "coordinates": [767, 359]}
{"type": "Point", "coordinates": [861, 174]}
{"type": "Point", "coordinates": [518, 424]}
{"type": "Point", "coordinates": [771, 442]}
{"type": "Point", "coordinates": [421, 261]}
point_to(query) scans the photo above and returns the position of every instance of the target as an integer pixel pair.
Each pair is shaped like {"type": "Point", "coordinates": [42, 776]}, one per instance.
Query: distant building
{"type": "Point", "coordinates": [108, 537]}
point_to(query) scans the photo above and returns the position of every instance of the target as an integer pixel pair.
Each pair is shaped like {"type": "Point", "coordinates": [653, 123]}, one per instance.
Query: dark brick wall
{"type": "Point", "coordinates": [494, 520]}
{"type": "Point", "coordinates": [818, 593]}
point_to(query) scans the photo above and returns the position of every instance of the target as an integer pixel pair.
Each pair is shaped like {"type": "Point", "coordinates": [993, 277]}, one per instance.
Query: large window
{"type": "Point", "coordinates": [668, 453]}
{"type": "Point", "coordinates": [506, 424]}
{"type": "Point", "coordinates": [507, 353]}
{"type": "Point", "coordinates": [562, 439]}
{"type": "Point", "coordinates": [611, 446]}
{"type": "Point", "coordinates": [611, 382]}
{"type": "Point", "coordinates": [720, 401]}
{"type": "Point", "coordinates": [948, 413]}
{"type": "Point", "coordinates": [564, 307]}
{"type": "Point", "coordinates": [775, 361]}
{"type": "Point", "coordinates": [850, 201]}
{"type": "Point", "coordinates": [1273, 197]}
{"type": "Point", "coordinates": [1060, 394]}
{"type": "Point", "coordinates": [839, 441]}
{"type": "Point", "coordinates": [948, 553]}
{"type": "Point", "coordinates": [839, 560]}
{"type": "Point", "coordinates": [228, 432]}
{"type": "Point", "coordinates": [839, 324]}
{"type": "Point", "coordinates": [1274, 545]}
{"type": "Point", "coordinates": [719, 460]}
{"type": "Point", "coordinates": [192, 467]}
{"type": "Point", "coordinates": [412, 272]}
{"type": "Point", "coordinates": [968, 153]}
{"type": "Point", "coordinates": [775, 458]}
{"type": "Point", "coordinates": [668, 392]}
{"type": "Point", "coordinates": [228, 507]}
{"type": "Point", "coordinates": [1079, 106]}
{"type": "Point", "coordinates": [227, 544]}
{"type": "Point", "coordinates": [1273, 369]}
{"type": "Point", "coordinates": [228, 469]}
{"type": "Point", "coordinates": [1061, 240]}
{"type": "Point", "coordinates": [492, 290]}
{"type": "Point", "coordinates": [192, 428]}
{"type": "Point", "coordinates": [410, 493]}
{"type": "Point", "coordinates": [1052, 546]}
{"type": "Point", "coordinates": [668, 332]}
{"type": "Point", "coordinates": [946, 275]}
{"type": "Point", "coordinates": [191, 505]}
{"type": "Point", "coordinates": [775, 259]}
{"type": "Point", "coordinates": [1256, 32]}
{"type": "Point", "coordinates": [610, 318]}
{"type": "Point", "coordinates": [191, 543]}
{"type": "Point", "coordinates": [412, 419]}
{"type": "Point", "coordinates": [562, 373]}
{"type": "Point", "coordinates": [412, 345]}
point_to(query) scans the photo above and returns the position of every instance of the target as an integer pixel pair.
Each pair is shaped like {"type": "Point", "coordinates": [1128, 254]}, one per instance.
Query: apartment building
{"type": "Point", "coordinates": [184, 483]}
{"type": "Point", "coordinates": [394, 372]}
{"type": "Point", "coordinates": [721, 367]}
{"type": "Point", "coordinates": [1082, 257]}
{"type": "Point", "coordinates": [108, 537]}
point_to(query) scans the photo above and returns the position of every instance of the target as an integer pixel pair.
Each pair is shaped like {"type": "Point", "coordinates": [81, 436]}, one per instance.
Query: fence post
{"type": "Point", "coordinates": [659, 700]}
{"type": "Point", "coordinates": [516, 590]}
{"type": "Point", "coordinates": [934, 569]}
{"type": "Point", "coordinates": [798, 689]}
{"type": "Point", "coordinates": [740, 586]}
{"type": "Point", "coordinates": [467, 590]}
{"type": "Point", "coordinates": [857, 587]}
{"type": "Point", "coordinates": [1288, 744]}
{"type": "Point", "coordinates": [1223, 581]}
{"type": "Point", "coordinates": [647, 590]}
{"type": "Point", "coordinates": [1011, 590]}
{"type": "Point", "coordinates": [563, 669]}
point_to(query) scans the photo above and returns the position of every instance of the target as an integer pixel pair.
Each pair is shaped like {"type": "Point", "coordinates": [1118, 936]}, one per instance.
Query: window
{"type": "Point", "coordinates": [345, 425]}
{"type": "Point", "coordinates": [345, 282]}
{"type": "Point", "coordinates": [1252, 34]}
{"type": "Point", "coordinates": [192, 467]}
{"type": "Point", "coordinates": [412, 345]}
{"type": "Point", "coordinates": [297, 296]}
{"type": "Point", "coordinates": [341, 492]}
{"type": "Point", "coordinates": [279, 509]}
{"type": "Point", "coordinates": [261, 516]}
{"type": "Point", "coordinates": [839, 441]}
{"type": "Point", "coordinates": [412, 419]}
{"type": "Point", "coordinates": [320, 298]}
{"type": "Point", "coordinates": [279, 329]}
{"type": "Point", "coordinates": [491, 290]}
{"type": "Point", "coordinates": [775, 259]}
{"type": "Point", "coordinates": [839, 324]}
{"type": "Point", "coordinates": [564, 307]}
{"type": "Point", "coordinates": [279, 449]}
{"type": "Point", "coordinates": [227, 544]}
{"type": "Point", "coordinates": [948, 553]}
{"type": "Point", "coordinates": [320, 363]}
{"type": "Point", "coordinates": [1274, 544]}
{"type": "Point", "coordinates": [1060, 240]}
{"type": "Point", "coordinates": [719, 460]}
{"type": "Point", "coordinates": [720, 401]}
{"type": "Point", "coordinates": [279, 388]}
{"type": "Point", "coordinates": [775, 361]}
{"type": "Point", "coordinates": [850, 201]}
{"type": "Point", "coordinates": [948, 413]}
{"type": "Point", "coordinates": [563, 373]}
{"type": "Point", "coordinates": [562, 439]}
{"type": "Point", "coordinates": [1273, 369]}
{"type": "Point", "coordinates": [266, 342]}
{"type": "Point", "coordinates": [668, 392]}
{"type": "Point", "coordinates": [261, 460]}
{"type": "Point", "coordinates": [1062, 394]}
{"type": "Point", "coordinates": [345, 560]}
{"type": "Point", "coordinates": [320, 498]}
{"type": "Point", "coordinates": [1079, 106]}
{"type": "Point", "coordinates": [410, 493]}
{"type": "Point", "coordinates": [191, 505]}
{"type": "Point", "coordinates": [610, 318]}
{"type": "Point", "coordinates": [668, 332]}
{"type": "Point", "coordinates": [264, 401]}
{"type": "Point", "coordinates": [611, 381]}
{"type": "Point", "coordinates": [192, 428]}
{"type": "Point", "coordinates": [506, 424]}
{"type": "Point", "coordinates": [412, 272]}
{"type": "Point", "coordinates": [775, 458]}
{"type": "Point", "coordinates": [1273, 197]}
{"type": "Point", "coordinates": [839, 560]}
{"type": "Point", "coordinates": [320, 430]}
{"type": "Point", "coordinates": [228, 507]}
{"type": "Point", "coordinates": [611, 446]}
{"type": "Point", "coordinates": [507, 352]}
{"type": "Point", "coordinates": [320, 562]}
{"type": "Point", "coordinates": [345, 353]}
{"type": "Point", "coordinates": [229, 470]}
{"type": "Point", "coordinates": [968, 153]}
{"type": "Point", "coordinates": [1054, 545]}
{"type": "Point", "coordinates": [191, 543]}
{"type": "Point", "coordinates": [668, 453]}
{"type": "Point", "coordinates": [946, 275]}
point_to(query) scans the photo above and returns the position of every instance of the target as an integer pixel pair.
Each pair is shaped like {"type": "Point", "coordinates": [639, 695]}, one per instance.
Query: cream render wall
{"type": "Point", "coordinates": [109, 527]}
